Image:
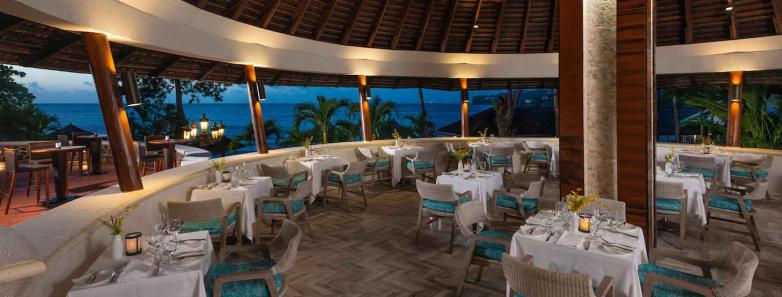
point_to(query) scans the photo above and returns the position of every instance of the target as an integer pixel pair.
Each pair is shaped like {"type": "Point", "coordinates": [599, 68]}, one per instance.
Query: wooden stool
{"type": "Point", "coordinates": [34, 172]}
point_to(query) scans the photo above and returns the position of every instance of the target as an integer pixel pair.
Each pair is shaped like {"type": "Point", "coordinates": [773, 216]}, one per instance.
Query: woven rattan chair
{"type": "Point", "coordinates": [729, 275]}
{"type": "Point", "coordinates": [350, 178]}
{"type": "Point", "coordinates": [704, 165]}
{"type": "Point", "coordinates": [733, 208]}
{"type": "Point", "coordinates": [500, 158]}
{"type": "Point", "coordinates": [485, 246]}
{"type": "Point", "coordinates": [750, 173]}
{"type": "Point", "coordinates": [283, 181]}
{"type": "Point", "coordinates": [288, 208]}
{"type": "Point", "coordinates": [377, 164]}
{"type": "Point", "coordinates": [671, 201]}
{"type": "Point", "coordinates": [256, 277]}
{"type": "Point", "coordinates": [527, 280]}
{"type": "Point", "coordinates": [207, 215]}
{"type": "Point", "coordinates": [615, 208]}
{"type": "Point", "coordinates": [423, 164]}
{"type": "Point", "coordinates": [35, 173]}
{"type": "Point", "coordinates": [507, 203]}
{"type": "Point", "coordinates": [537, 157]}
{"type": "Point", "coordinates": [438, 201]}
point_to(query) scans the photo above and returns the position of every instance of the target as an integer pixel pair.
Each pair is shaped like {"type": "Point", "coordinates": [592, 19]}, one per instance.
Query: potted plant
{"type": "Point", "coordinates": [307, 143]}
{"type": "Point", "coordinates": [576, 202]}
{"type": "Point", "coordinates": [397, 138]}
{"type": "Point", "coordinates": [114, 225]}
{"type": "Point", "coordinates": [218, 167]}
{"type": "Point", "coordinates": [483, 135]}
{"type": "Point", "coordinates": [669, 162]}
{"type": "Point", "coordinates": [706, 144]}
{"type": "Point", "coordinates": [460, 155]}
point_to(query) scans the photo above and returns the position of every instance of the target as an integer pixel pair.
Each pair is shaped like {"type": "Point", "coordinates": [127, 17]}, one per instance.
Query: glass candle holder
{"type": "Point", "coordinates": [226, 176]}
{"type": "Point", "coordinates": [584, 223]}
{"type": "Point", "coordinates": [133, 244]}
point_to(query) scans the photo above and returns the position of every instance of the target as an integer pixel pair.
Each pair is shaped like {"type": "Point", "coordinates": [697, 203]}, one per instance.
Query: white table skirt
{"type": "Point", "coordinates": [696, 187]}
{"type": "Point", "coordinates": [723, 163]}
{"type": "Point", "coordinates": [246, 195]}
{"type": "Point", "coordinates": [315, 167]}
{"type": "Point", "coordinates": [595, 263]}
{"type": "Point", "coordinates": [183, 279]}
{"type": "Point", "coordinates": [481, 188]}
{"type": "Point", "coordinates": [397, 166]}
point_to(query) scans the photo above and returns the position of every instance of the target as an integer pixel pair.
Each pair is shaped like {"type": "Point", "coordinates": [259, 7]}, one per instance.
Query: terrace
{"type": "Point", "coordinates": [415, 231]}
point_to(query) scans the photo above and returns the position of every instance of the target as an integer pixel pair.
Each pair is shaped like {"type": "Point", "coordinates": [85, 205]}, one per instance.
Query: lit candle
{"type": "Point", "coordinates": [133, 244]}
{"type": "Point", "coordinates": [583, 223]}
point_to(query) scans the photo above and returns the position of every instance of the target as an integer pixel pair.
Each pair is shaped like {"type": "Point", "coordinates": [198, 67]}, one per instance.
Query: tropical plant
{"type": "Point", "coordinates": [114, 224]}
{"type": "Point", "coordinates": [504, 107]}
{"type": "Point", "coordinates": [218, 166]}
{"type": "Point", "coordinates": [154, 116]}
{"type": "Point", "coordinates": [420, 126]}
{"type": "Point", "coordinates": [21, 119]}
{"type": "Point", "coordinates": [461, 154]}
{"type": "Point", "coordinates": [269, 126]}
{"type": "Point", "coordinates": [321, 117]}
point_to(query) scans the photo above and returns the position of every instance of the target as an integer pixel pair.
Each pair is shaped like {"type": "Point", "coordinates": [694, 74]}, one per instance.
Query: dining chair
{"type": "Point", "coordinates": [704, 165]}
{"type": "Point", "coordinates": [750, 173]}
{"type": "Point", "coordinates": [378, 164]}
{"type": "Point", "coordinates": [616, 209]}
{"type": "Point", "coordinates": [671, 201]}
{"type": "Point", "coordinates": [40, 157]}
{"type": "Point", "coordinates": [537, 157]}
{"type": "Point", "coordinates": [35, 172]}
{"type": "Point", "coordinates": [500, 158]}
{"type": "Point", "coordinates": [729, 275]}
{"type": "Point", "coordinates": [732, 207]}
{"type": "Point", "coordinates": [145, 160]}
{"type": "Point", "coordinates": [283, 182]}
{"type": "Point", "coordinates": [352, 176]}
{"type": "Point", "coordinates": [485, 245]}
{"type": "Point", "coordinates": [438, 202]}
{"type": "Point", "coordinates": [525, 279]}
{"type": "Point", "coordinates": [208, 215]}
{"type": "Point", "coordinates": [422, 164]}
{"type": "Point", "coordinates": [507, 202]}
{"type": "Point", "coordinates": [255, 278]}
{"type": "Point", "coordinates": [287, 208]}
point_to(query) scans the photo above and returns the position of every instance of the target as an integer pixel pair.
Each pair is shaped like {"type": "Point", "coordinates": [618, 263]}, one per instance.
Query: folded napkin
{"type": "Point", "coordinates": [222, 186]}
{"type": "Point", "coordinates": [620, 239]}
{"type": "Point", "coordinates": [536, 221]}
{"type": "Point", "coordinates": [186, 247]}
{"type": "Point", "coordinates": [135, 269]}
{"type": "Point", "coordinates": [570, 239]}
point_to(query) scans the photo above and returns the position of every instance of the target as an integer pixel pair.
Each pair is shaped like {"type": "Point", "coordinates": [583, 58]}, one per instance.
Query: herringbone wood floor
{"type": "Point", "coordinates": [372, 253]}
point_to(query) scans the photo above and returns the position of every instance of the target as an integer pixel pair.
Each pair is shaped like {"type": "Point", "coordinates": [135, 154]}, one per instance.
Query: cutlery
{"type": "Point", "coordinates": [92, 278]}
{"type": "Point", "coordinates": [549, 236]}
{"type": "Point", "coordinates": [618, 246]}
{"type": "Point", "coordinates": [586, 245]}
{"type": "Point", "coordinates": [188, 255]}
{"type": "Point", "coordinates": [117, 271]}
{"type": "Point", "coordinates": [191, 239]}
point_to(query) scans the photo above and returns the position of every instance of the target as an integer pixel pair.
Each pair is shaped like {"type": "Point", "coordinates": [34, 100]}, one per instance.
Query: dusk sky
{"type": "Point", "coordinates": [51, 86]}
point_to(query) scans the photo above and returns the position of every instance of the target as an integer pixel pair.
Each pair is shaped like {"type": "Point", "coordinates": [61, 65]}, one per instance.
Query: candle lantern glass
{"type": "Point", "coordinates": [133, 244]}
{"type": "Point", "coordinates": [584, 223]}
{"type": "Point", "coordinates": [226, 176]}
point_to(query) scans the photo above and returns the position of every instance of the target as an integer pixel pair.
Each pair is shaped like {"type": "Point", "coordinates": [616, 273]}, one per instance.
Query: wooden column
{"type": "Point", "coordinates": [465, 98]}
{"type": "Point", "coordinates": [571, 92]}
{"type": "Point", "coordinates": [255, 92]}
{"type": "Point", "coordinates": [363, 99]}
{"type": "Point", "coordinates": [635, 111]}
{"type": "Point", "coordinates": [733, 137]}
{"type": "Point", "coordinates": [114, 116]}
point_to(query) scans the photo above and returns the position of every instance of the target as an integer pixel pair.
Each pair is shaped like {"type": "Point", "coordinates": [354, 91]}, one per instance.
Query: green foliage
{"type": "Point", "coordinates": [114, 224]}
{"type": "Point", "coordinates": [419, 126]}
{"type": "Point", "coordinates": [154, 116]}
{"type": "Point", "coordinates": [21, 119]}
{"type": "Point", "coordinates": [321, 117]}
{"type": "Point", "coordinates": [270, 126]}
{"type": "Point", "coordinates": [503, 112]}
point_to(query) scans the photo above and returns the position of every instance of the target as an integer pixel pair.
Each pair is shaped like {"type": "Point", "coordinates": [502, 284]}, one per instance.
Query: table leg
{"type": "Point", "coordinates": [96, 168]}
{"type": "Point", "coordinates": [169, 154]}
{"type": "Point", "coordinates": [59, 161]}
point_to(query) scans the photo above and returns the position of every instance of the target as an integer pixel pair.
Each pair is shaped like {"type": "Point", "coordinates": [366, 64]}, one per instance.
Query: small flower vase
{"type": "Point", "coordinates": [397, 143]}
{"type": "Point", "coordinates": [307, 153]}
{"type": "Point", "coordinates": [668, 169]}
{"type": "Point", "coordinates": [117, 247]}
{"type": "Point", "coordinates": [460, 168]}
{"type": "Point", "coordinates": [218, 176]}
{"type": "Point", "coordinates": [574, 222]}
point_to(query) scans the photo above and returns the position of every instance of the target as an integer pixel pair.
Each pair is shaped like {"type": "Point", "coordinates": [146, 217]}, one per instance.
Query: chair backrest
{"type": "Point", "coordinates": [356, 167]}
{"type": "Point", "coordinates": [63, 139]}
{"type": "Point", "coordinates": [274, 171]}
{"type": "Point", "coordinates": [616, 208]}
{"type": "Point", "coordinates": [426, 155]}
{"type": "Point", "coordinates": [669, 189]}
{"type": "Point", "coordinates": [195, 210]}
{"type": "Point", "coordinates": [9, 156]}
{"type": "Point", "coordinates": [75, 136]}
{"type": "Point", "coordinates": [535, 190]}
{"type": "Point", "coordinates": [37, 145]}
{"type": "Point", "coordinates": [153, 147]}
{"type": "Point", "coordinates": [288, 237]}
{"type": "Point", "coordinates": [468, 214]}
{"type": "Point", "coordinates": [706, 162]}
{"type": "Point", "coordinates": [440, 192]}
{"type": "Point", "coordinates": [735, 271]}
{"type": "Point", "coordinates": [364, 153]}
{"type": "Point", "coordinates": [533, 281]}
{"type": "Point", "coordinates": [303, 190]}
{"type": "Point", "coordinates": [502, 151]}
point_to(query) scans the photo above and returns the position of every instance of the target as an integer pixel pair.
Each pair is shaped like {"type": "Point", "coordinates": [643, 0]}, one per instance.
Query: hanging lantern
{"type": "Point", "coordinates": [220, 130]}
{"type": "Point", "coordinates": [193, 129]}
{"type": "Point", "coordinates": [214, 130]}
{"type": "Point", "coordinates": [186, 133]}
{"type": "Point", "coordinates": [204, 121]}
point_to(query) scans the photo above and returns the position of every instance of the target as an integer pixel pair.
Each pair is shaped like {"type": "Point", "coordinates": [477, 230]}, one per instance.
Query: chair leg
{"type": "Point", "coordinates": [2, 185]}
{"type": "Point", "coordinates": [417, 226]}
{"type": "Point", "coordinates": [463, 279]}
{"type": "Point", "coordinates": [453, 234]}
{"type": "Point", "coordinates": [752, 232]}
{"type": "Point", "coordinates": [363, 193]}
{"type": "Point", "coordinates": [38, 186]}
{"type": "Point", "coordinates": [81, 162]}
{"type": "Point", "coordinates": [29, 182]}
{"type": "Point", "coordinates": [10, 192]}
{"type": "Point", "coordinates": [307, 222]}
{"type": "Point", "coordinates": [682, 230]}
{"type": "Point", "coordinates": [46, 185]}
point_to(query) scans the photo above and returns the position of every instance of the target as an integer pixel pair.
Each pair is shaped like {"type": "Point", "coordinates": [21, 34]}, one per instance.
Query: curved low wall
{"type": "Point", "coordinates": [69, 238]}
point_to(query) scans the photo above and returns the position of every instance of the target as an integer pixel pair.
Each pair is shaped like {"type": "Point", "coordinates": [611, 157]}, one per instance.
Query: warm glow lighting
{"type": "Point", "coordinates": [204, 121]}
{"type": "Point", "coordinates": [193, 129]}
{"type": "Point", "coordinates": [463, 83]}
{"type": "Point", "coordinates": [133, 244]}
{"type": "Point", "coordinates": [220, 129]}
{"type": "Point", "coordinates": [186, 134]}
{"type": "Point", "coordinates": [583, 223]}
{"type": "Point", "coordinates": [368, 93]}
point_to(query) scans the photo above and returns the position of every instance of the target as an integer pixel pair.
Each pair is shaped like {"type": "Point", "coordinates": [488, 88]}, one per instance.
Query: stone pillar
{"type": "Point", "coordinates": [465, 100]}
{"type": "Point", "coordinates": [363, 100]}
{"type": "Point", "coordinates": [255, 93]}
{"type": "Point", "coordinates": [733, 137]}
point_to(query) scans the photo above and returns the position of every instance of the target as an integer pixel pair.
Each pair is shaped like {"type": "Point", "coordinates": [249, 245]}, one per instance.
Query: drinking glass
{"type": "Point", "coordinates": [169, 247]}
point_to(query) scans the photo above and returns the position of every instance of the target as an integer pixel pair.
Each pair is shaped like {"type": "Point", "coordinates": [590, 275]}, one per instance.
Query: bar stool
{"type": "Point", "coordinates": [63, 139]}
{"type": "Point", "coordinates": [145, 160]}
{"type": "Point", "coordinates": [34, 171]}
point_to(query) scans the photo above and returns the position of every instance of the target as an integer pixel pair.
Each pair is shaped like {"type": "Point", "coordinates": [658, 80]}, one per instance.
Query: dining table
{"type": "Point", "coordinates": [169, 151]}
{"type": "Point", "coordinates": [723, 160]}
{"type": "Point", "coordinates": [616, 251]}
{"type": "Point", "coordinates": [696, 187]}
{"type": "Point", "coordinates": [480, 183]}
{"type": "Point", "coordinates": [134, 276]}
{"type": "Point", "coordinates": [245, 191]}
{"type": "Point", "coordinates": [60, 164]}
{"type": "Point", "coordinates": [94, 145]}
{"type": "Point", "coordinates": [398, 153]}
{"type": "Point", "coordinates": [315, 166]}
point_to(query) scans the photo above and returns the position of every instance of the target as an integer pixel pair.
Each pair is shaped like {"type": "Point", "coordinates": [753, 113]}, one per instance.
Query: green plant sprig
{"type": "Point", "coordinates": [114, 224]}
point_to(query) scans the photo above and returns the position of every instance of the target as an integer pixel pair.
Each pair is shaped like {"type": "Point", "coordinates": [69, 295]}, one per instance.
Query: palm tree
{"type": "Point", "coordinates": [504, 106]}
{"type": "Point", "coordinates": [420, 126]}
{"type": "Point", "coordinates": [382, 117]}
{"type": "Point", "coordinates": [269, 126]}
{"type": "Point", "coordinates": [320, 116]}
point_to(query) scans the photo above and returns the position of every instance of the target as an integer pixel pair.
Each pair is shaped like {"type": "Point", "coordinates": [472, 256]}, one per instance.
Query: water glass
{"type": "Point", "coordinates": [169, 247]}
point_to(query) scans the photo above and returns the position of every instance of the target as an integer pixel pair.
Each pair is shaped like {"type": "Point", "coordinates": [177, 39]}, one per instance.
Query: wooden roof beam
{"type": "Point", "coordinates": [448, 24]}
{"type": "Point", "coordinates": [552, 27]}
{"type": "Point", "coordinates": [474, 26]}
{"type": "Point", "coordinates": [687, 21]}
{"type": "Point", "coordinates": [50, 50]}
{"type": "Point", "coordinates": [208, 71]}
{"type": "Point", "coordinates": [167, 63]}
{"type": "Point", "coordinates": [427, 17]}
{"type": "Point", "coordinates": [325, 17]}
{"type": "Point", "coordinates": [732, 24]}
{"type": "Point", "coordinates": [201, 3]}
{"type": "Point", "coordinates": [269, 12]}
{"type": "Point", "coordinates": [401, 25]}
{"type": "Point", "coordinates": [498, 27]}
{"type": "Point", "coordinates": [351, 23]}
{"type": "Point", "coordinates": [301, 8]}
{"type": "Point", "coordinates": [378, 19]}
{"type": "Point", "coordinates": [236, 10]}
{"type": "Point", "coordinates": [10, 23]}
{"type": "Point", "coordinates": [124, 54]}
{"type": "Point", "coordinates": [777, 7]}
{"type": "Point", "coordinates": [523, 39]}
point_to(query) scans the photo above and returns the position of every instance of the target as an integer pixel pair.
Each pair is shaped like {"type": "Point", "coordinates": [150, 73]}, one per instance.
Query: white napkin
{"type": "Point", "coordinates": [190, 247]}
{"type": "Point", "coordinates": [134, 270]}
{"type": "Point", "coordinates": [222, 186]}
{"type": "Point", "coordinates": [570, 239]}
{"type": "Point", "coordinates": [619, 239]}
{"type": "Point", "coordinates": [534, 220]}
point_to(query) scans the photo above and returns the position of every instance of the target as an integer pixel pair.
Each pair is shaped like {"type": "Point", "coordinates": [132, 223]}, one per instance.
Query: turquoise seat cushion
{"type": "Point", "coordinates": [665, 290]}
{"type": "Point", "coordinates": [727, 203]}
{"type": "Point", "coordinates": [491, 250]}
{"type": "Point", "coordinates": [500, 160]}
{"type": "Point", "coordinates": [707, 173]}
{"type": "Point", "coordinates": [667, 204]}
{"type": "Point", "coordinates": [443, 206]}
{"type": "Point", "coordinates": [214, 226]}
{"type": "Point", "coordinates": [349, 179]}
{"type": "Point", "coordinates": [279, 207]}
{"type": "Point", "coordinates": [283, 181]}
{"type": "Point", "coordinates": [539, 157]}
{"type": "Point", "coordinates": [747, 173]}
{"type": "Point", "coordinates": [246, 288]}
{"type": "Point", "coordinates": [378, 163]}
{"type": "Point", "coordinates": [510, 202]}
{"type": "Point", "coordinates": [420, 165]}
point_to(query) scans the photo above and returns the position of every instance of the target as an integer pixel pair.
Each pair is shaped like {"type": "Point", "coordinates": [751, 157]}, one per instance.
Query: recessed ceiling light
{"type": "Point", "coordinates": [729, 8]}
{"type": "Point", "coordinates": [475, 27]}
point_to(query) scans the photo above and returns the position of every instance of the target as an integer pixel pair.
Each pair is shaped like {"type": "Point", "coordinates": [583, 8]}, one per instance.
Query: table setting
{"type": "Point", "coordinates": [480, 183]}
{"type": "Point", "coordinates": [695, 185]}
{"type": "Point", "coordinates": [399, 152]}
{"type": "Point", "coordinates": [315, 165]}
{"type": "Point", "coordinates": [723, 160]}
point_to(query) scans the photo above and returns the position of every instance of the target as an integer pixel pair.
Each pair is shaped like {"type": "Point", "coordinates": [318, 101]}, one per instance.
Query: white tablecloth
{"type": "Point", "coordinates": [595, 263]}
{"type": "Point", "coordinates": [723, 164]}
{"type": "Point", "coordinates": [185, 278]}
{"type": "Point", "coordinates": [696, 187]}
{"type": "Point", "coordinates": [481, 187]}
{"type": "Point", "coordinates": [247, 193]}
{"type": "Point", "coordinates": [397, 166]}
{"type": "Point", "coordinates": [315, 166]}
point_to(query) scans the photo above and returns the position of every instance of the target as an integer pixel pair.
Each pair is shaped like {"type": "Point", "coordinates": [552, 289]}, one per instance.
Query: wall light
{"type": "Point", "coordinates": [261, 91]}
{"type": "Point", "coordinates": [735, 92]}
{"type": "Point", "coordinates": [129, 89]}
{"type": "Point", "coordinates": [368, 93]}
